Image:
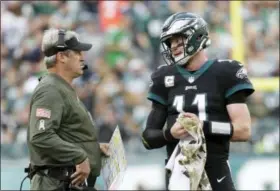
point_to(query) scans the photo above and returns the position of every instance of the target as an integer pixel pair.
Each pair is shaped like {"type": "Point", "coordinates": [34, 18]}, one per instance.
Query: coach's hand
{"type": "Point", "coordinates": [178, 131]}
{"type": "Point", "coordinates": [104, 147]}
{"type": "Point", "coordinates": [81, 174]}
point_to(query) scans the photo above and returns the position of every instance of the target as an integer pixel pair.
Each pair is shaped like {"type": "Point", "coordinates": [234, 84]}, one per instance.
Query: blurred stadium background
{"type": "Point", "coordinates": [125, 38]}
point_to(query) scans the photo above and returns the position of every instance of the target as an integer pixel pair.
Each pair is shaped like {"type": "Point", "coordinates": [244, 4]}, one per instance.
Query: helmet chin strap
{"type": "Point", "coordinates": [183, 61]}
{"type": "Point", "coordinates": [184, 57]}
{"type": "Point", "coordinates": [178, 58]}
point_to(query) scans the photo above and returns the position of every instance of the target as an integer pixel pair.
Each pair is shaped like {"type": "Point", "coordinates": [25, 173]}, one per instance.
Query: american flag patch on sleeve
{"type": "Point", "coordinates": [44, 113]}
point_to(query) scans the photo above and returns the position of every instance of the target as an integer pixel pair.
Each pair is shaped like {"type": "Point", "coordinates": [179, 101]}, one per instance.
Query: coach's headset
{"type": "Point", "coordinates": [61, 46]}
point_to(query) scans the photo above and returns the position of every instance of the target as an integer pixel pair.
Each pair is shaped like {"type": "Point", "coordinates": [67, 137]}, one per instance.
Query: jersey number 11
{"type": "Point", "coordinates": [199, 100]}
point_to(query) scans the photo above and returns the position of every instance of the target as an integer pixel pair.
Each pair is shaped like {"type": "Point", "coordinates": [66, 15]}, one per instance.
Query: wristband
{"type": "Point", "coordinates": [217, 128]}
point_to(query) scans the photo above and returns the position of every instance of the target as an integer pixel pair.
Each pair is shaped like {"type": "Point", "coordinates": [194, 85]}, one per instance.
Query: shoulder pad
{"type": "Point", "coordinates": [162, 65]}
{"type": "Point", "coordinates": [229, 65]}
{"type": "Point", "coordinates": [229, 61]}
{"type": "Point", "coordinates": [160, 71]}
{"type": "Point", "coordinates": [233, 68]}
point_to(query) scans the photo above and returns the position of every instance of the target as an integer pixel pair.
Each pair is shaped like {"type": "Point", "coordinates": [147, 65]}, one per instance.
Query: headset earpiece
{"type": "Point", "coordinates": [60, 43]}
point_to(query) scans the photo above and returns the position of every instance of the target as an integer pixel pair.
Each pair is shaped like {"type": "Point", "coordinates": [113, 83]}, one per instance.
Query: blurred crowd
{"type": "Point", "coordinates": [126, 49]}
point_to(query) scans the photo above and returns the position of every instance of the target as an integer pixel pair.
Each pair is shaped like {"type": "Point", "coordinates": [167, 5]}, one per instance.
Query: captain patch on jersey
{"type": "Point", "coordinates": [169, 81]}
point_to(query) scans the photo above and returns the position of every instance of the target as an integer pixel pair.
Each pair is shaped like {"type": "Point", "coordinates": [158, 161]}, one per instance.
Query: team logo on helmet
{"type": "Point", "coordinates": [242, 73]}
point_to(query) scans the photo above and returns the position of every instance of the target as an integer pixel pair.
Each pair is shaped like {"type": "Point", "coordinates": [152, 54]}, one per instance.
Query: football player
{"type": "Point", "coordinates": [213, 91]}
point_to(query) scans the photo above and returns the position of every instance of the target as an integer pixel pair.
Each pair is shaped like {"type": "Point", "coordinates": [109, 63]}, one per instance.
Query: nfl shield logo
{"type": "Point", "coordinates": [191, 79]}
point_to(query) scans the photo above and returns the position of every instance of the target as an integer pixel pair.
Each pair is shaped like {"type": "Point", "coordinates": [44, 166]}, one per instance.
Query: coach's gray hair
{"type": "Point", "coordinates": [50, 39]}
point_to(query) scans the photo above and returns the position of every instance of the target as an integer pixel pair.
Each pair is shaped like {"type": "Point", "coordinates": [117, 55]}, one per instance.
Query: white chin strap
{"type": "Point", "coordinates": [183, 61]}
{"type": "Point", "coordinates": [177, 58]}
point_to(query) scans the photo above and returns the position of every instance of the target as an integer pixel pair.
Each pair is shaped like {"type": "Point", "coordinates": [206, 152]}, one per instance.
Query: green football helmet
{"type": "Point", "coordinates": [194, 32]}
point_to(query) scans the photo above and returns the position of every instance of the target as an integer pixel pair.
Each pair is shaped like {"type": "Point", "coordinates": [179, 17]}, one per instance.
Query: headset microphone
{"type": "Point", "coordinates": [85, 67]}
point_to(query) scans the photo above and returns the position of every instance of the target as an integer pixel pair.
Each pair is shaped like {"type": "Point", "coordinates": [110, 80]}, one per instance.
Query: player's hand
{"type": "Point", "coordinates": [104, 147]}
{"type": "Point", "coordinates": [193, 116]}
{"type": "Point", "coordinates": [178, 131]}
{"type": "Point", "coordinates": [81, 174]}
